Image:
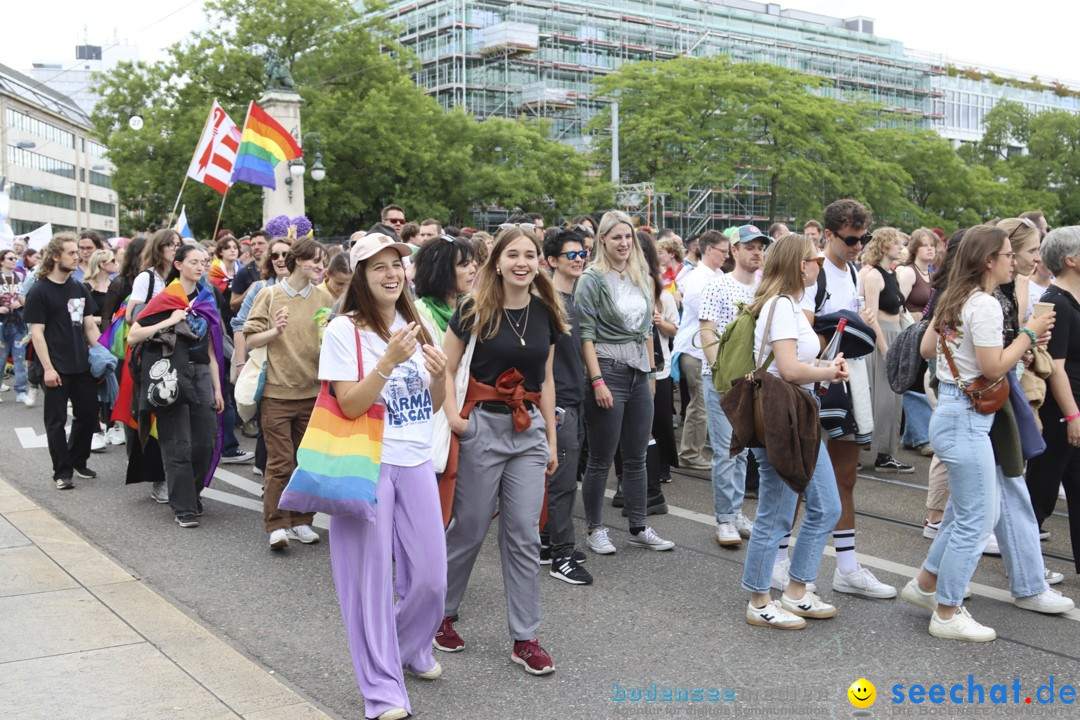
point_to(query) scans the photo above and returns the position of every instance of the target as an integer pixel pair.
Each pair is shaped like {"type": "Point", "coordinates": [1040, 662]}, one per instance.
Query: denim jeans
{"type": "Point", "coordinates": [961, 438]}
{"type": "Point", "coordinates": [917, 413]}
{"type": "Point", "coordinates": [728, 473]}
{"type": "Point", "coordinates": [11, 333]}
{"type": "Point", "coordinates": [775, 512]}
{"type": "Point", "coordinates": [629, 420]}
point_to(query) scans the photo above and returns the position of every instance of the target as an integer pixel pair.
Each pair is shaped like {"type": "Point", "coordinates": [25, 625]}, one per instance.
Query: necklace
{"type": "Point", "coordinates": [621, 273]}
{"type": "Point", "coordinates": [515, 324]}
{"type": "Point", "coordinates": [924, 273]}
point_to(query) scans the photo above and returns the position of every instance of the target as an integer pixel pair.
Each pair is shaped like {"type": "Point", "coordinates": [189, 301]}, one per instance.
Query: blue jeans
{"type": "Point", "coordinates": [961, 438]}
{"type": "Point", "coordinates": [917, 413]}
{"type": "Point", "coordinates": [775, 513]}
{"type": "Point", "coordinates": [11, 333]}
{"type": "Point", "coordinates": [728, 473]}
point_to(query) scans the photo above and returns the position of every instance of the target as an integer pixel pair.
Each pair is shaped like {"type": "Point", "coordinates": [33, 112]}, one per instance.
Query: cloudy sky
{"type": "Point", "coordinates": [1034, 38]}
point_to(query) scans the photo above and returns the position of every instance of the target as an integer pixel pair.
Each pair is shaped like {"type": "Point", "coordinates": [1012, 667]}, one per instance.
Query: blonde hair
{"type": "Point", "coordinates": [1020, 232]}
{"type": "Point", "coordinates": [880, 241]}
{"type": "Point", "coordinates": [783, 274]}
{"type": "Point", "coordinates": [636, 266]}
{"type": "Point", "coordinates": [672, 246]}
{"type": "Point", "coordinates": [99, 258]}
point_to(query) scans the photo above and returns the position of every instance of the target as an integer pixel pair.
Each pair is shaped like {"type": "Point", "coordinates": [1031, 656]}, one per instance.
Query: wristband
{"type": "Point", "coordinates": [1030, 333]}
{"type": "Point", "coordinates": [379, 372]}
{"type": "Point", "coordinates": [652, 376]}
{"type": "Point", "coordinates": [594, 378]}
{"type": "Point", "coordinates": [598, 382]}
{"type": "Point", "coordinates": [1070, 418]}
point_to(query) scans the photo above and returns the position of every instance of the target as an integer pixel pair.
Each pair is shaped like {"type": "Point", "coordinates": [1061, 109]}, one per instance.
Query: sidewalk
{"type": "Point", "coordinates": [79, 637]}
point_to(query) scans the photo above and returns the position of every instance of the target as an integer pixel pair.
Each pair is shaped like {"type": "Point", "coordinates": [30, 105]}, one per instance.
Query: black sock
{"type": "Point", "coordinates": [637, 530]}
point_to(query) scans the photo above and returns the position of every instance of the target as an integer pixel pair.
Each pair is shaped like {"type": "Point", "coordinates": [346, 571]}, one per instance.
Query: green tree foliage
{"type": "Point", "coordinates": [383, 139]}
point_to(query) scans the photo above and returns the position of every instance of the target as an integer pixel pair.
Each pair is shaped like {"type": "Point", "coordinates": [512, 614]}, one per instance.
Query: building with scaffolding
{"type": "Point", "coordinates": [540, 58]}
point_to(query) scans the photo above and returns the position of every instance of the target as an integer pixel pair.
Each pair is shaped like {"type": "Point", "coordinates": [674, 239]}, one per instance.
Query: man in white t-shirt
{"type": "Point", "coordinates": [714, 251]}
{"type": "Point", "coordinates": [720, 303]}
{"type": "Point", "coordinates": [846, 232]}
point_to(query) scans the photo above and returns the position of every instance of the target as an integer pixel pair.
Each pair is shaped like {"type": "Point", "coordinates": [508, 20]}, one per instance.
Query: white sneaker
{"type": "Point", "coordinates": [780, 576]}
{"type": "Point", "coordinates": [31, 397]}
{"type": "Point", "coordinates": [159, 493]}
{"type": "Point", "coordinates": [992, 546]}
{"type": "Point", "coordinates": [4, 387]}
{"type": "Point", "coordinates": [20, 398]}
{"type": "Point", "coordinates": [256, 471]}
{"type": "Point", "coordinates": [774, 616]}
{"type": "Point", "coordinates": [433, 674]}
{"type": "Point", "coordinates": [115, 435]}
{"type": "Point", "coordinates": [929, 529]}
{"type": "Point", "coordinates": [960, 627]}
{"type": "Point", "coordinates": [861, 581]}
{"type": "Point", "coordinates": [598, 541]}
{"type": "Point", "coordinates": [744, 525]}
{"type": "Point", "coordinates": [912, 594]}
{"type": "Point", "coordinates": [648, 539]}
{"type": "Point", "coordinates": [279, 539]}
{"type": "Point", "coordinates": [727, 535]}
{"type": "Point", "coordinates": [303, 533]}
{"type": "Point", "coordinates": [1053, 578]}
{"type": "Point", "coordinates": [98, 442]}
{"type": "Point", "coordinates": [808, 606]}
{"type": "Point", "coordinates": [1049, 601]}
{"type": "Point", "coordinates": [1044, 534]}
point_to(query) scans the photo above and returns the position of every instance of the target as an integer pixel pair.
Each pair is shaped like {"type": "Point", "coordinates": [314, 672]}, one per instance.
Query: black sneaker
{"type": "Point", "coordinates": [85, 473]}
{"type": "Point", "coordinates": [187, 521]}
{"type": "Point", "coordinates": [617, 499]}
{"type": "Point", "coordinates": [655, 505]}
{"type": "Point", "coordinates": [64, 484]}
{"type": "Point", "coordinates": [545, 554]}
{"type": "Point", "coordinates": [567, 570]}
{"type": "Point", "coordinates": [887, 463]}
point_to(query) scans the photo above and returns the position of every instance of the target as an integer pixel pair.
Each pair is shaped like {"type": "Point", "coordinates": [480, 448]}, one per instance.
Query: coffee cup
{"type": "Point", "coordinates": [1041, 308]}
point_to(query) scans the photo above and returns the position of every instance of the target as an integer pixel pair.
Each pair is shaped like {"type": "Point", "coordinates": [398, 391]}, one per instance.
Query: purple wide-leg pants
{"type": "Point", "coordinates": [384, 638]}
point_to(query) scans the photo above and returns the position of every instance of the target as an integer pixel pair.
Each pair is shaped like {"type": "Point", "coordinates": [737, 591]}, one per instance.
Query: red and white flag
{"type": "Point", "coordinates": [212, 163]}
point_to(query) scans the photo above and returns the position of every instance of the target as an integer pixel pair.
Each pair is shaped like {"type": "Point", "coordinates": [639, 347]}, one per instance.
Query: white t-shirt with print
{"type": "Point", "coordinates": [718, 305]}
{"type": "Point", "coordinates": [981, 322]}
{"type": "Point", "coordinates": [788, 323]}
{"type": "Point", "coordinates": [407, 430]}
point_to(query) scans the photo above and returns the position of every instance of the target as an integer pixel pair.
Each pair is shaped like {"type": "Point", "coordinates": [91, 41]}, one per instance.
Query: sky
{"type": "Point", "coordinates": [1035, 38]}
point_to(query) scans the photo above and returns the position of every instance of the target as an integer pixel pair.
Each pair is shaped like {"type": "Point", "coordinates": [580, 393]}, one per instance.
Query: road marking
{"type": "Point", "coordinates": [869, 560]}
{"type": "Point", "coordinates": [30, 440]}
{"type": "Point", "coordinates": [253, 488]}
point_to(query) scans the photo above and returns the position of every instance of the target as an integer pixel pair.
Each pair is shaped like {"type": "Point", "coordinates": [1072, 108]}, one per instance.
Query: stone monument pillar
{"type": "Point", "coordinates": [288, 198]}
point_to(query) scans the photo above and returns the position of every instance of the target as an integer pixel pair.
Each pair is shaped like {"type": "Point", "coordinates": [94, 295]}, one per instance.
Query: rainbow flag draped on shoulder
{"type": "Point", "coordinates": [263, 144]}
{"type": "Point", "coordinates": [202, 308]}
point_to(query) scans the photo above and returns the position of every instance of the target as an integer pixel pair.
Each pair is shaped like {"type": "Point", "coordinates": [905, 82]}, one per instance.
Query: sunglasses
{"type": "Point", "coordinates": [396, 221]}
{"type": "Point", "coordinates": [575, 254]}
{"type": "Point", "coordinates": [820, 260]}
{"type": "Point", "coordinates": [853, 240]}
{"type": "Point", "coordinates": [527, 226]}
{"type": "Point", "coordinates": [277, 255]}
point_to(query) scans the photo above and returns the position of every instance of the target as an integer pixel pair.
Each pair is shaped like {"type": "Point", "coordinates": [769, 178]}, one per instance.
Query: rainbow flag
{"type": "Point", "coordinates": [263, 144]}
{"type": "Point", "coordinates": [114, 339]}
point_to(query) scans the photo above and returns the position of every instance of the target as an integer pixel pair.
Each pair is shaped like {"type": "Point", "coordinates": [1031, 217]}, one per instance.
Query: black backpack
{"type": "Point", "coordinates": [823, 294]}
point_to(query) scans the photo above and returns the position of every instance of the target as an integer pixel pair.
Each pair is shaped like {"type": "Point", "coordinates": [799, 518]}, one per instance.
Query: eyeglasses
{"type": "Point", "coordinates": [527, 226]}
{"type": "Point", "coordinates": [575, 254]}
{"type": "Point", "coordinates": [396, 221]}
{"type": "Point", "coordinates": [820, 260]}
{"type": "Point", "coordinates": [853, 240]}
{"type": "Point", "coordinates": [172, 245]}
{"type": "Point", "coordinates": [1009, 255]}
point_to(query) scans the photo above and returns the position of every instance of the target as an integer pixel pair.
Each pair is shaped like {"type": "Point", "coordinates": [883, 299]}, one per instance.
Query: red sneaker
{"type": "Point", "coordinates": [535, 659]}
{"type": "Point", "coordinates": [447, 639]}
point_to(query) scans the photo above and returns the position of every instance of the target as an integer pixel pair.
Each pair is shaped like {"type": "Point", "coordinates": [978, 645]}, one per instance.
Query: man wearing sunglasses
{"type": "Point", "coordinates": [846, 231]}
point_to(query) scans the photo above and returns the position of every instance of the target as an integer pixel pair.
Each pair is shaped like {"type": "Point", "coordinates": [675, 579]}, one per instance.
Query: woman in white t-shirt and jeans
{"type": "Point", "coordinates": [405, 371]}
{"type": "Point", "coordinates": [971, 320]}
{"type": "Point", "coordinates": [791, 266]}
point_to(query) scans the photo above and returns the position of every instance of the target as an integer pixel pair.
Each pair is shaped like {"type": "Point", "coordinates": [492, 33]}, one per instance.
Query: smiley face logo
{"type": "Point", "coordinates": [862, 693]}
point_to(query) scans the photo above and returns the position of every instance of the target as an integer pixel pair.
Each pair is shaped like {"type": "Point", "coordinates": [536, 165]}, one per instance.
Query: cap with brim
{"type": "Point", "coordinates": [373, 243]}
{"type": "Point", "coordinates": [750, 233]}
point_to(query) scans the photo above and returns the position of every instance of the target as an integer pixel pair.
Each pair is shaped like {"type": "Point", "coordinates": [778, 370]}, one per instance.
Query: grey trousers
{"type": "Point", "coordinates": [628, 425]}
{"type": "Point", "coordinates": [888, 406]}
{"type": "Point", "coordinates": [497, 464]}
{"type": "Point", "coordinates": [695, 426]}
{"type": "Point", "coordinates": [562, 486]}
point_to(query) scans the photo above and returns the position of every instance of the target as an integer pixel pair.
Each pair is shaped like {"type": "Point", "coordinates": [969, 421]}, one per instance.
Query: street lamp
{"type": "Point", "coordinates": [297, 166]}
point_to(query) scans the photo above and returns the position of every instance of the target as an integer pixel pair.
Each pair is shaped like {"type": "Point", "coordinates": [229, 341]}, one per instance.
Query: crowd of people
{"type": "Point", "coordinates": [522, 362]}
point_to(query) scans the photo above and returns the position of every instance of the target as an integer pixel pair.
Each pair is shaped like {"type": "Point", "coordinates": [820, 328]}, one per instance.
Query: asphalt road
{"type": "Point", "coordinates": [670, 620]}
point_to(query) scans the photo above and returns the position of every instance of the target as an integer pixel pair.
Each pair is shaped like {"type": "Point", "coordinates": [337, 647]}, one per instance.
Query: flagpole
{"type": "Point", "coordinates": [177, 203]}
{"type": "Point", "coordinates": [220, 209]}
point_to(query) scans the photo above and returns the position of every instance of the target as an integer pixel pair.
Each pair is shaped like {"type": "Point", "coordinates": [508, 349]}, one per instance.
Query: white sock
{"type": "Point", "coordinates": [782, 553]}
{"type": "Point", "coordinates": [844, 544]}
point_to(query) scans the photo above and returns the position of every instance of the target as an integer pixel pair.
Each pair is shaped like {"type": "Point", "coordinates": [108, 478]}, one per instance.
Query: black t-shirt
{"type": "Point", "coordinates": [60, 307]}
{"type": "Point", "coordinates": [891, 298]}
{"type": "Point", "coordinates": [569, 365]}
{"type": "Point", "coordinates": [493, 357]}
{"type": "Point", "coordinates": [98, 298]}
{"type": "Point", "coordinates": [1065, 340]}
{"type": "Point", "coordinates": [198, 351]}
{"type": "Point", "coordinates": [245, 277]}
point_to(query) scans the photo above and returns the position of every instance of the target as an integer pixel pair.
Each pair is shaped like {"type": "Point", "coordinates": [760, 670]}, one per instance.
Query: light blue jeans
{"type": "Point", "coordinates": [11, 334]}
{"type": "Point", "coordinates": [728, 473]}
{"type": "Point", "coordinates": [917, 413]}
{"type": "Point", "coordinates": [775, 513]}
{"type": "Point", "coordinates": [961, 438]}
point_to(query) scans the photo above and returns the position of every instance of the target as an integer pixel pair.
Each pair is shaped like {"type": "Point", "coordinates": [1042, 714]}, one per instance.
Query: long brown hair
{"type": "Point", "coordinates": [966, 272]}
{"type": "Point", "coordinates": [782, 274]}
{"type": "Point", "coordinates": [485, 306]}
{"type": "Point", "coordinates": [153, 257]}
{"type": "Point", "coordinates": [52, 251]}
{"type": "Point", "coordinates": [358, 301]}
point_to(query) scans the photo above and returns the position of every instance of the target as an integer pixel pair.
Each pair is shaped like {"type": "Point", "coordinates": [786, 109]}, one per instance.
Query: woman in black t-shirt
{"type": "Point", "coordinates": [507, 442]}
{"type": "Point", "coordinates": [190, 422]}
